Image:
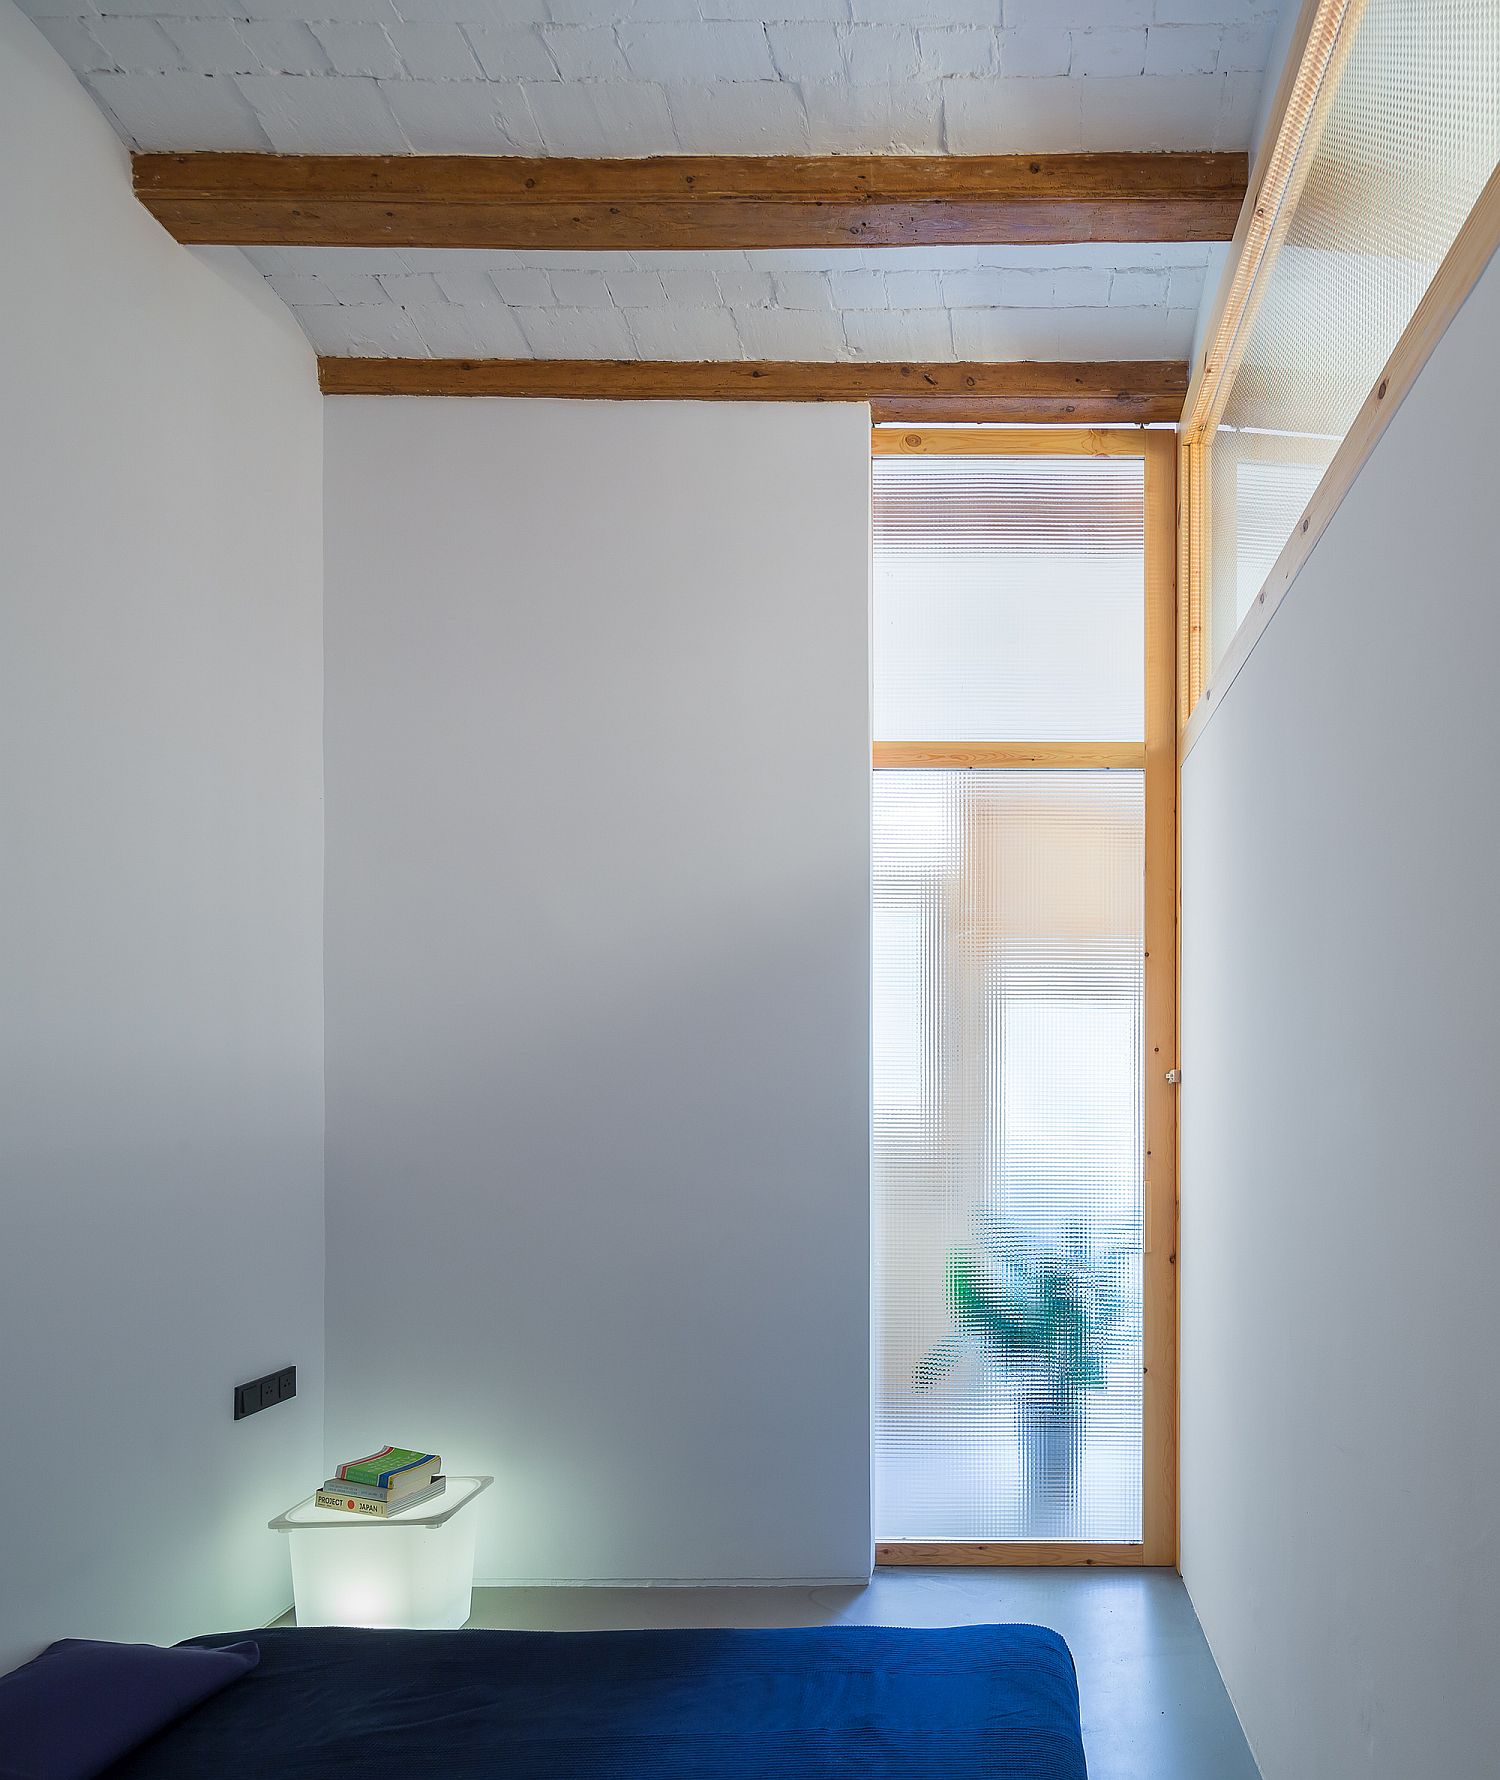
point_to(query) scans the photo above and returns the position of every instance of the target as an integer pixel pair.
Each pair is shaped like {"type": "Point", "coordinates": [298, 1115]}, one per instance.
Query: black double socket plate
{"type": "Point", "coordinates": [263, 1393]}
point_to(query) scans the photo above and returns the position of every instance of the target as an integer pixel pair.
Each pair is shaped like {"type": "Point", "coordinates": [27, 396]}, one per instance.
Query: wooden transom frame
{"type": "Point", "coordinates": [1322, 39]}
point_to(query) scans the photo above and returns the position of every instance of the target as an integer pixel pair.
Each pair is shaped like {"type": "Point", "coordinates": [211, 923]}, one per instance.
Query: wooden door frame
{"type": "Point", "coordinates": [1158, 452]}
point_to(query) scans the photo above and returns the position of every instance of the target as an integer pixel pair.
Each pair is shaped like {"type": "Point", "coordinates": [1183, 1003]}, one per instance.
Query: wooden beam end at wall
{"type": "Point", "coordinates": [1027, 393]}
{"type": "Point", "coordinates": [686, 201]}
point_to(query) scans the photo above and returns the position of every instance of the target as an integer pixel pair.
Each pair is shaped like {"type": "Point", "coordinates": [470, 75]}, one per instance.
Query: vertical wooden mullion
{"type": "Point", "coordinates": [1159, 1472]}
{"type": "Point", "coordinates": [1192, 496]}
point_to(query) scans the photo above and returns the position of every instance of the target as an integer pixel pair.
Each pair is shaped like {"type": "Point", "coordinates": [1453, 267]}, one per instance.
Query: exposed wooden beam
{"type": "Point", "coordinates": [1029, 393]}
{"type": "Point", "coordinates": [682, 201]}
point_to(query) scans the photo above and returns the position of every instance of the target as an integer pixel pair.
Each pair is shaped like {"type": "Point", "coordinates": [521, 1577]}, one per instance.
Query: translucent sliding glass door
{"type": "Point", "coordinates": [1013, 611]}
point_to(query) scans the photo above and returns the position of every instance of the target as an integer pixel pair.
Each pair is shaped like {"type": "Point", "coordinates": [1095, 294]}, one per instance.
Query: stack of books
{"type": "Point", "coordinates": [384, 1483]}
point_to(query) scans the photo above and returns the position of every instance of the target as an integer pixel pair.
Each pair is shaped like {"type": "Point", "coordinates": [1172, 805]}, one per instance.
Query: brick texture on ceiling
{"type": "Point", "coordinates": [1085, 302]}
{"type": "Point", "coordinates": [641, 77]}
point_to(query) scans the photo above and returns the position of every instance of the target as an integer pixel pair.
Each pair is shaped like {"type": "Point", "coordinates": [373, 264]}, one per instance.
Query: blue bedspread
{"type": "Point", "coordinates": [856, 1702]}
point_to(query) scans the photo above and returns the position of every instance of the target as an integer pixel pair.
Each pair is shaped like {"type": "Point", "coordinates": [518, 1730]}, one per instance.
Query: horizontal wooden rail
{"type": "Point", "coordinates": [958, 441]}
{"type": "Point", "coordinates": [1029, 393]}
{"type": "Point", "coordinates": [1053, 756]}
{"type": "Point", "coordinates": [690, 201]}
{"type": "Point", "coordinates": [994, 1552]}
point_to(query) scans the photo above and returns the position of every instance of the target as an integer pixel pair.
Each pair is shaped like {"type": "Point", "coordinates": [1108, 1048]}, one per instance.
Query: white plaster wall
{"type": "Point", "coordinates": [1340, 1140]}
{"type": "Point", "coordinates": [161, 1218]}
{"type": "Point", "coordinates": [597, 973]}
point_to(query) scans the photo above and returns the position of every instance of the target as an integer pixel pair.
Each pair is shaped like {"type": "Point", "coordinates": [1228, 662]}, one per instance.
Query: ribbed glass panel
{"type": "Point", "coordinates": [1008, 599]}
{"type": "Point", "coordinates": [1008, 969]}
{"type": "Point", "coordinates": [1402, 142]}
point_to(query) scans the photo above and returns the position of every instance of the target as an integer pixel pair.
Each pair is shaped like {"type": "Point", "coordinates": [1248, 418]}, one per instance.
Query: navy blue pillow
{"type": "Point", "coordinates": [81, 1705]}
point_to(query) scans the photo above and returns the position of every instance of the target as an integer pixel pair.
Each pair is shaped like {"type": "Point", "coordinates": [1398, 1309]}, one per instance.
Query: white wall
{"type": "Point", "coordinates": [161, 1222]}
{"type": "Point", "coordinates": [597, 928]}
{"type": "Point", "coordinates": [1340, 1135]}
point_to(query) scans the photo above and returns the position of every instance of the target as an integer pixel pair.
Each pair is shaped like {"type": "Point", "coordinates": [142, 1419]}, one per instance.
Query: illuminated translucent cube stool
{"type": "Point", "coordinates": [415, 1569]}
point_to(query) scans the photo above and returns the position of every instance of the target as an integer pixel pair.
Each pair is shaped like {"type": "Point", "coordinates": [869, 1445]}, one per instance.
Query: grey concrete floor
{"type": "Point", "coordinates": [1154, 1707]}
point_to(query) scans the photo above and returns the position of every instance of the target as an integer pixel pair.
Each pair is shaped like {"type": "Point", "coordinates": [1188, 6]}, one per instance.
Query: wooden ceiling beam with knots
{"type": "Point", "coordinates": [682, 202]}
{"type": "Point", "coordinates": [1023, 393]}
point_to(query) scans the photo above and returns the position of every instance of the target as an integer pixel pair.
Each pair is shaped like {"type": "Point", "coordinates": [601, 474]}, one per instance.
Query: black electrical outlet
{"type": "Point", "coordinates": [262, 1393]}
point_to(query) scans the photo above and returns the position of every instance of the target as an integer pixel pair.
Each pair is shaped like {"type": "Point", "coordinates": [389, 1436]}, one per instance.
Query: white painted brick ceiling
{"type": "Point", "coordinates": [1097, 301]}
{"type": "Point", "coordinates": [641, 77]}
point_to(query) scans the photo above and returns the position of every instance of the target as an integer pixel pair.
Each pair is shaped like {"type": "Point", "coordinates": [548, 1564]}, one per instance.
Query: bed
{"type": "Point", "coordinates": [858, 1702]}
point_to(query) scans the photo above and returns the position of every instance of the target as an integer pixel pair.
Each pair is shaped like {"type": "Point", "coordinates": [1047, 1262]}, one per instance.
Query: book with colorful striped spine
{"type": "Point", "coordinates": [393, 1468]}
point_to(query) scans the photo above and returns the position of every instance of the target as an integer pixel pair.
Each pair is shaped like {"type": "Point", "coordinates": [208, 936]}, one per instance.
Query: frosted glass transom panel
{"type": "Point", "coordinates": [1009, 598]}
{"type": "Point", "coordinates": [1008, 974]}
{"type": "Point", "coordinates": [1401, 143]}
